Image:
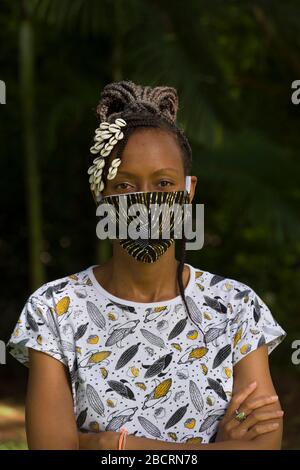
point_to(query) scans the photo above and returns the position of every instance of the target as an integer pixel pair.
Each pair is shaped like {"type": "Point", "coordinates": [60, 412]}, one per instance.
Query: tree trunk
{"type": "Point", "coordinates": [33, 196]}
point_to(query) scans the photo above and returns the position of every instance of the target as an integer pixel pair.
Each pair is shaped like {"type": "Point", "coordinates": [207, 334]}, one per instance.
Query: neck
{"type": "Point", "coordinates": [129, 279]}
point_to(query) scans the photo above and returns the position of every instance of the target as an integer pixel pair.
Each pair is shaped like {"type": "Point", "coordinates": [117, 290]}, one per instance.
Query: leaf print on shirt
{"type": "Point", "coordinates": [62, 306]}
{"type": "Point", "coordinates": [176, 417]}
{"type": "Point", "coordinates": [178, 328]}
{"type": "Point", "coordinates": [210, 420]}
{"type": "Point", "coordinates": [81, 418]}
{"type": "Point", "coordinates": [196, 397]}
{"type": "Point", "coordinates": [94, 400]}
{"type": "Point", "coordinates": [159, 394]}
{"type": "Point", "coordinates": [154, 313]}
{"type": "Point", "coordinates": [195, 312]}
{"type": "Point", "coordinates": [127, 355]}
{"type": "Point", "coordinates": [193, 355]}
{"type": "Point", "coordinates": [216, 386]}
{"type": "Point", "coordinates": [95, 315]}
{"type": "Point", "coordinates": [213, 333]}
{"type": "Point", "coordinates": [120, 388]}
{"type": "Point", "coordinates": [95, 358]}
{"type": "Point", "coordinates": [215, 304]}
{"type": "Point", "coordinates": [256, 310]}
{"type": "Point", "coordinates": [126, 308]}
{"type": "Point", "coordinates": [81, 330]}
{"type": "Point", "coordinates": [153, 339]}
{"type": "Point", "coordinates": [215, 279]}
{"type": "Point", "coordinates": [261, 341]}
{"type": "Point", "coordinates": [242, 294]}
{"type": "Point", "coordinates": [158, 366]}
{"type": "Point", "coordinates": [149, 427]}
{"type": "Point", "coordinates": [31, 322]}
{"type": "Point", "coordinates": [120, 333]}
{"type": "Point", "coordinates": [222, 354]}
{"type": "Point", "coordinates": [56, 289]}
{"type": "Point", "coordinates": [240, 332]}
{"type": "Point", "coordinates": [120, 418]}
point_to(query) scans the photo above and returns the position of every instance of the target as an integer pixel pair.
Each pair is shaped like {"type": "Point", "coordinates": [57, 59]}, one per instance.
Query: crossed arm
{"type": "Point", "coordinates": [50, 420]}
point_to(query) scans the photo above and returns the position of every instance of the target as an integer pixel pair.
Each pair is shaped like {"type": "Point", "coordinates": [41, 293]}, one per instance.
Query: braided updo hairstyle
{"type": "Point", "coordinates": [143, 107]}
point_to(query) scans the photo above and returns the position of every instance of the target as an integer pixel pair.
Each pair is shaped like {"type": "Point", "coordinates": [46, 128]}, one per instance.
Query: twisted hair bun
{"type": "Point", "coordinates": [125, 97]}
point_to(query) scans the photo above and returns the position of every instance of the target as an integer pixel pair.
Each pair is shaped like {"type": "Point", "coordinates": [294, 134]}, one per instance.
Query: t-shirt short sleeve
{"type": "Point", "coordinates": [36, 328]}
{"type": "Point", "coordinates": [253, 325]}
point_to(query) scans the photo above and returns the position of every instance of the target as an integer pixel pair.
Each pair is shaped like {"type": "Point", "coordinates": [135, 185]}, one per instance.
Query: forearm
{"type": "Point", "coordinates": [136, 443]}
{"type": "Point", "coordinates": [88, 441]}
{"type": "Point", "coordinates": [93, 441]}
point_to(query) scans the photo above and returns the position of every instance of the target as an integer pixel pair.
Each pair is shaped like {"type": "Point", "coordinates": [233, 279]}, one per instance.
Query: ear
{"type": "Point", "coordinates": [193, 187]}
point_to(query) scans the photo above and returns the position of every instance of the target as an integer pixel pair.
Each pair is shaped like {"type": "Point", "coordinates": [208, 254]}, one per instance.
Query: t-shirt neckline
{"type": "Point", "coordinates": [132, 303]}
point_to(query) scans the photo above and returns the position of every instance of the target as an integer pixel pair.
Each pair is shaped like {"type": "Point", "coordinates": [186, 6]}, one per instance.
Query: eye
{"type": "Point", "coordinates": [121, 186]}
{"type": "Point", "coordinates": [165, 183]}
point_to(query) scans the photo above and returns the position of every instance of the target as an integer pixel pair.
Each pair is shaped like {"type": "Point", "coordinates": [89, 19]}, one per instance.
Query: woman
{"type": "Point", "coordinates": [175, 353]}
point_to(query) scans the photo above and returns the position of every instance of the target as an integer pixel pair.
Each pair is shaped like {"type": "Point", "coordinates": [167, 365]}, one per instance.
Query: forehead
{"type": "Point", "coordinates": [151, 148]}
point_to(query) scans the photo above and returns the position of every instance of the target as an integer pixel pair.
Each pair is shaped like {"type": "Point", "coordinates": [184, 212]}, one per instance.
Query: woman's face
{"type": "Point", "coordinates": [151, 161]}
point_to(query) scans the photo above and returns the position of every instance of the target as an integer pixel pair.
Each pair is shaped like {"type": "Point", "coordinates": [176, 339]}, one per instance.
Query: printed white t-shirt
{"type": "Point", "coordinates": [148, 366]}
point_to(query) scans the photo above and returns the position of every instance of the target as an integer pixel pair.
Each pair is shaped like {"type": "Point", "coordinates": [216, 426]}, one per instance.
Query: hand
{"type": "Point", "coordinates": [257, 421]}
{"type": "Point", "coordinates": [108, 440]}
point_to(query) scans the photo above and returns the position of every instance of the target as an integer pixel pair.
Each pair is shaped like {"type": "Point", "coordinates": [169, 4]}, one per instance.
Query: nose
{"type": "Point", "coordinates": [145, 186]}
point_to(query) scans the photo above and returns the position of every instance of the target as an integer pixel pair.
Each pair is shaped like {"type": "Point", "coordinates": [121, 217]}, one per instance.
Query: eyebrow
{"type": "Point", "coordinates": [161, 170]}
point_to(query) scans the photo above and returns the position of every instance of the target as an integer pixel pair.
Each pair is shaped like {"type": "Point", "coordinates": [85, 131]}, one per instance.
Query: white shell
{"type": "Point", "coordinates": [98, 138]}
{"type": "Point", "coordinates": [113, 140]}
{"type": "Point", "coordinates": [93, 186]}
{"type": "Point", "coordinates": [100, 163]}
{"type": "Point", "coordinates": [93, 149]}
{"type": "Point", "coordinates": [106, 134]}
{"type": "Point", "coordinates": [101, 187]}
{"type": "Point", "coordinates": [116, 162]}
{"type": "Point", "coordinates": [98, 172]}
{"type": "Point", "coordinates": [120, 122]}
{"type": "Point", "coordinates": [104, 125]}
{"type": "Point", "coordinates": [99, 145]}
{"type": "Point", "coordinates": [112, 173]}
{"type": "Point", "coordinates": [104, 152]}
{"type": "Point", "coordinates": [98, 179]}
{"type": "Point", "coordinates": [119, 135]}
{"type": "Point", "coordinates": [91, 169]}
{"type": "Point", "coordinates": [108, 146]}
{"type": "Point", "coordinates": [91, 178]}
{"type": "Point", "coordinates": [114, 128]}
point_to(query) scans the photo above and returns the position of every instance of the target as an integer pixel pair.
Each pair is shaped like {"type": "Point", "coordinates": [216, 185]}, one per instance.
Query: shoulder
{"type": "Point", "coordinates": [223, 287]}
{"type": "Point", "coordinates": [63, 288]}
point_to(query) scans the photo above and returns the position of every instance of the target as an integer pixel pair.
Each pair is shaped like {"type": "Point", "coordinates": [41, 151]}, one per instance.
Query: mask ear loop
{"type": "Point", "coordinates": [188, 183]}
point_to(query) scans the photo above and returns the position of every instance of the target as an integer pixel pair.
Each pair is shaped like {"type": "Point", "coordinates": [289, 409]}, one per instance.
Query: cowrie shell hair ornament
{"type": "Point", "coordinates": [106, 137]}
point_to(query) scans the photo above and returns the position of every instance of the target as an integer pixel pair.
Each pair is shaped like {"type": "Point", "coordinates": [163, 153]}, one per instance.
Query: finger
{"type": "Point", "coordinates": [238, 399]}
{"type": "Point", "coordinates": [250, 406]}
{"type": "Point", "coordinates": [259, 417]}
{"type": "Point", "coordinates": [260, 429]}
{"type": "Point", "coordinates": [253, 404]}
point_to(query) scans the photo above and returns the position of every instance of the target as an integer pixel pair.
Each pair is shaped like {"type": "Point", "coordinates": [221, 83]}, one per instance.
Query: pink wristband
{"type": "Point", "coordinates": [122, 438]}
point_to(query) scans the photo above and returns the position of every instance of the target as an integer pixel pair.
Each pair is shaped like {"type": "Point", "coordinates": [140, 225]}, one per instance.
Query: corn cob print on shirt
{"type": "Point", "coordinates": [148, 366]}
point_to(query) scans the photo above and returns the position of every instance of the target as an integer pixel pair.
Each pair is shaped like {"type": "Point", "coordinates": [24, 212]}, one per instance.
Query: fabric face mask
{"type": "Point", "coordinates": [155, 227]}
